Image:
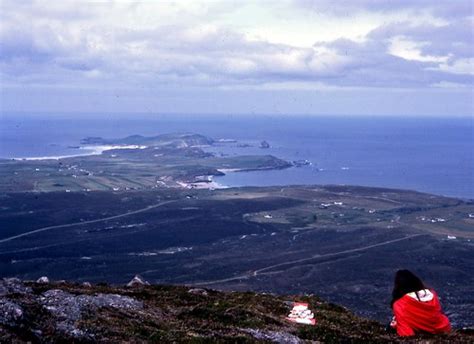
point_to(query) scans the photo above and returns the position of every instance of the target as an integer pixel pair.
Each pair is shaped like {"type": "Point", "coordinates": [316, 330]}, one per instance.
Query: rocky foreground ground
{"type": "Point", "coordinates": [45, 312]}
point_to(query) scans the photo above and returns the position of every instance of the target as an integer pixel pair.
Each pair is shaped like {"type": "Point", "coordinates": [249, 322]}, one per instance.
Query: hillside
{"type": "Point", "coordinates": [64, 312]}
{"type": "Point", "coordinates": [292, 240]}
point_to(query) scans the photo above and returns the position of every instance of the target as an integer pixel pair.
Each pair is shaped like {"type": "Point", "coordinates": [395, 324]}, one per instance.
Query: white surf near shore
{"type": "Point", "coordinates": [211, 185]}
{"type": "Point", "coordinates": [89, 150]}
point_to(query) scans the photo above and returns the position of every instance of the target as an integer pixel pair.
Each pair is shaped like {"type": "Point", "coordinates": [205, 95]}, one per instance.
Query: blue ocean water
{"type": "Point", "coordinates": [433, 155]}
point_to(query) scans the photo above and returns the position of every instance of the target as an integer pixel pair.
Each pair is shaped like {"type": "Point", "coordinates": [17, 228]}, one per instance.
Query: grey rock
{"type": "Point", "coordinates": [137, 281]}
{"type": "Point", "coordinates": [68, 308]}
{"type": "Point", "coordinates": [13, 286]}
{"type": "Point", "coordinates": [198, 291]}
{"type": "Point", "coordinates": [43, 279]}
{"type": "Point", "coordinates": [10, 313]}
{"type": "Point", "coordinates": [114, 301]}
{"type": "Point", "coordinates": [274, 336]}
{"type": "Point", "coordinates": [61, 304]}
{"type": "Point", "coordinates": [86, 284]}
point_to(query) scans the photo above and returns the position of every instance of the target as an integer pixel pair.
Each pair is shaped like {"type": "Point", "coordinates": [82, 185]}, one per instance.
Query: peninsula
{"type": "Point", "coordinates": [132, 163]}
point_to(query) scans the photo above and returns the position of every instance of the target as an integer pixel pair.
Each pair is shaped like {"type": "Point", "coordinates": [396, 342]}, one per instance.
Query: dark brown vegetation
{"type": "Point", "coordinates": [65, 312]}
{"type": "Point", "coordinates": [296, 240]}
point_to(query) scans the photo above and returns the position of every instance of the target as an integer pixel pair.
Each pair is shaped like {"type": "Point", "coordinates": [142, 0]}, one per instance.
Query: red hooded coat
{"type": "Point", "coordinates": [420, 313]}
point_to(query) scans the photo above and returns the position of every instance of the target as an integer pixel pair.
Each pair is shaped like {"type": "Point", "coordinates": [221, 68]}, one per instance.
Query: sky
{"type": "Point", "coordinates": [316, 57]}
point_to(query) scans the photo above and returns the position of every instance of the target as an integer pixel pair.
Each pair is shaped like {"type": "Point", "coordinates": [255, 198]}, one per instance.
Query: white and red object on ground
{"type": "Point", "coordinates": [301, 314]}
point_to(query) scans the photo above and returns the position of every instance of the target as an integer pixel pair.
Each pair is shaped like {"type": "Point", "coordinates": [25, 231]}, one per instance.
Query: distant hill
{"type": "Point", "coordinates": [83, 313]}
{"type": "Point", "coordinates": [176, 140]}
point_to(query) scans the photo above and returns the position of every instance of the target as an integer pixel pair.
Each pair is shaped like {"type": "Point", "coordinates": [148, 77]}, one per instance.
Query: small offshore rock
{"type": "Point", "coordinates": [10, 313]}
{"type": "Point", "coordinates": [198, 291]}
{"type": "Point", "coordinates": [43, 280]}
{"type": "Point", "coordinates": [137, 281]}
{"type": "Point", "coordinates": [87, 284]}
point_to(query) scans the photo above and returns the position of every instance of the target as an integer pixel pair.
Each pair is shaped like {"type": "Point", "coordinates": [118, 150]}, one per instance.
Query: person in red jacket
{"type": "Point", "coordinates": [416, 308]}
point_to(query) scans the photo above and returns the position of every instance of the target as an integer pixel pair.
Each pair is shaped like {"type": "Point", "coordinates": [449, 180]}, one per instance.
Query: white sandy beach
{"type": "Point", "coordinates": [88, 150]}
{"type": "Point", "coordinates": [228, 170]}
{"type": "Point", "coordinates": [211, 185]}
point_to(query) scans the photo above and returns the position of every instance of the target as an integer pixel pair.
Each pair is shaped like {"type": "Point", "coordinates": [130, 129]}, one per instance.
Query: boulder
{"type": "Point", "coordinates": [198, 291]}
{"type": "Point", "coordinates": [13, 286]}
{"type": "Point", "coordinates": [68, 308]}
{"type": "Point", "coordinates": [137, 281]}
{"type": "Point", "coordinates": [10, 313]}
{"type": "Point", "coordinates": [43, 279]}
{"type": "Point", "coordinates": [274, 336]}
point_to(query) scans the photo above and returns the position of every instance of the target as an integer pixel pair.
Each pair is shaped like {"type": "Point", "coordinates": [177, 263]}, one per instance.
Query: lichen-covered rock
{"type": "Point", "coordinates": [10, 312]}
{"type": "Point", "coordinates": [274, 336]}
{"type": "Point", "coordinates": [62, 304]}
{"type": "Point", "coordinates": [13, 286]}
{"type": "Point", "coordinates": [65, 308]}
{"type": "Point", "coordinates": [68, 308]}
{"type": "Point", "coordinates": [112, 300]}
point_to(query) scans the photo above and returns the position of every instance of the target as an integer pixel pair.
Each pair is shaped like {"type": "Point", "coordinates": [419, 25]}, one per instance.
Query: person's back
{"type": "Point", "coordinates": [416, 308]}
{"type": "Point", "coordinates": [420, 312]}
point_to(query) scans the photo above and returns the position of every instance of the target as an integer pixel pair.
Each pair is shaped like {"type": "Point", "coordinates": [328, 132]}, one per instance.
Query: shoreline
{"type": "Point", "coordinates": [202, 185]}
{"type": "Point", "coordinates": [94, 150]}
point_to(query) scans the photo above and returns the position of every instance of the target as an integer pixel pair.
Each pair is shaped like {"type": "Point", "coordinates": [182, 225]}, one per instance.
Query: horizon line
{"type": "Point", "coordinates": [227, 114]}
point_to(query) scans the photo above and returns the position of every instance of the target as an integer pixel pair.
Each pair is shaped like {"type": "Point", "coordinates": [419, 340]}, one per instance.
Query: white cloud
{"type": "Point", "coordinates": [225, 44]}
{"type": "Point", "coordinates": [410, 50]}
{"type": "Point", "coordinates": [461, 66]}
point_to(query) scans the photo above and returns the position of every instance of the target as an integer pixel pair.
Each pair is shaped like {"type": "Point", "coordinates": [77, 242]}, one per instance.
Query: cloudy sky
{"type": "Point", "coordinates": [370, 57]}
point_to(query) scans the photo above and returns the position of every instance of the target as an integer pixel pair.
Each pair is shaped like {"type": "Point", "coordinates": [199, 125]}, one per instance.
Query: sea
{"type": "Point", "coordinates": [427, 154]}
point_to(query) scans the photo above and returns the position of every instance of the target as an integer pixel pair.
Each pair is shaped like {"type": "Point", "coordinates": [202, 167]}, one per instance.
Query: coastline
{"type": "Point", "coordinates": [94, 150]}
{"type": "Point", "coordinates": [200, 185]}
